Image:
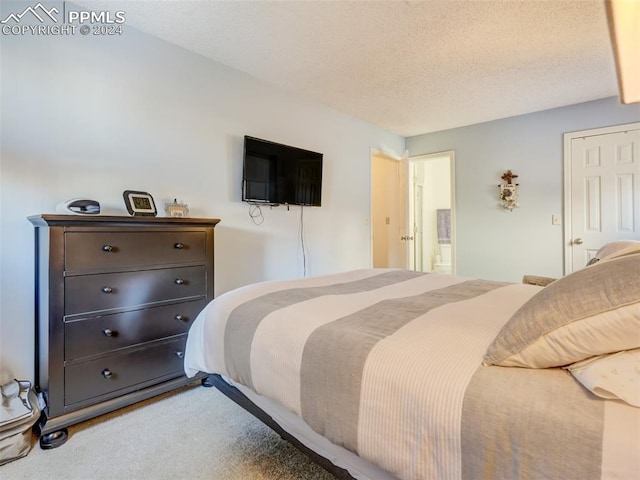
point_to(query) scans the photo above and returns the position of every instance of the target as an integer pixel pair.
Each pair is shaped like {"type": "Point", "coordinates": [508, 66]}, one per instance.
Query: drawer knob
{"type": "Point", "coordinates": [178, 245]}
{"type": "Point", "coordinates": [106, 373]}
{"type": "Point", "coordinates": [107, 290]}
{"type": "Point", "coordinates": [107, 248]}
{"type": "Point", "coordinates": [180, 354]}
{"type": "Point", "coordinates": [179, 281]}
{"type": "Point", "coordinates": [181, 318]}
{"type": "Point", "coordinates": [108, 332]}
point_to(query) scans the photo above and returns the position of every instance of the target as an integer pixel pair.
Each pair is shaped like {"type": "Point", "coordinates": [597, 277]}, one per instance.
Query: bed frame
{"type": "Point", "coordinates": [238, 397]}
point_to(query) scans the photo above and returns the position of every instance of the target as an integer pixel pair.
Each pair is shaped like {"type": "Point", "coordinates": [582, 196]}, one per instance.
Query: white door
{"type": "Point", "coordinates": [405, 225]}
{"type": "Point", "coordinates": [418, 229]}
{"type": "Point", "coordinates": [602, 190]}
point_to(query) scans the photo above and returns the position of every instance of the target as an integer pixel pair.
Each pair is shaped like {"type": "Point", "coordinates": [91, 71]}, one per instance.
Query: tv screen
{"type": "Point", "coordinates": [280, 174]}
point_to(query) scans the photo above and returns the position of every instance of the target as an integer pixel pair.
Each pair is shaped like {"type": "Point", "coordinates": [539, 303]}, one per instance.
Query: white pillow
{"type": "Point", "coordinates": [616, 375]}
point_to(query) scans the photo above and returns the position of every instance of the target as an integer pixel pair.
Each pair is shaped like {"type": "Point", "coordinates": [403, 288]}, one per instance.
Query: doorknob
{"type": "Point", "coordinates": [577, 241]}
{"type": "Point", "coordinates": [406, 237]}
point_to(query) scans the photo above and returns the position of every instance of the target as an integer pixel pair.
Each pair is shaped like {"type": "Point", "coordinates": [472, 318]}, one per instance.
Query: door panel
{"type": "Point", "coordinates": [387, 212]}
{"type": "Point", "coordinates": [418, 229]}
{"type": "Point", "coordinates": [405, 228]}
{"type": "Point", "coordinates": [604, 192]}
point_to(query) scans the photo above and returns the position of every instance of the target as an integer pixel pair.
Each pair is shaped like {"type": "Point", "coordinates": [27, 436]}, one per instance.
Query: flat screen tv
{"type": "Point", "coordinates": [279, 174]}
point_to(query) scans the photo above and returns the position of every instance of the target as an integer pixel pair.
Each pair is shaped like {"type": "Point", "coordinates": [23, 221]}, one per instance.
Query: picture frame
{"type": "Point", "coordinates": [139, 203]}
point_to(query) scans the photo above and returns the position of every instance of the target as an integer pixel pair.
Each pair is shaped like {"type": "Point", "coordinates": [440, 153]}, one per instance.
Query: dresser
{"type": "Point", "coordinates": [115, 297]}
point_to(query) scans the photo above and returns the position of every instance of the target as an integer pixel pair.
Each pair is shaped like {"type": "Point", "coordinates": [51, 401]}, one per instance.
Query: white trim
{"type": "Point", "coordinates": [568, 137]}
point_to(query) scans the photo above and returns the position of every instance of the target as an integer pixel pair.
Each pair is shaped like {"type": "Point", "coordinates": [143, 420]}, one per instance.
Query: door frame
{"type": "Point", "coordinates": [451, 154]}
{"type": "Point", "coordinates": [568, 138]}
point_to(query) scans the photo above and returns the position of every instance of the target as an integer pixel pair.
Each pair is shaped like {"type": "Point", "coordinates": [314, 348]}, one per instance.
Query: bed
{"type": "Point", "coordinates": [394, 374]}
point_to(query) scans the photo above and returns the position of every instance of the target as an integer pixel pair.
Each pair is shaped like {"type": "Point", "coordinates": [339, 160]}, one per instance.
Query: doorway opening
{"type": "Point", "coordinates": [413, 212]}
{"type": "Point", "coordinates": [432, 213]}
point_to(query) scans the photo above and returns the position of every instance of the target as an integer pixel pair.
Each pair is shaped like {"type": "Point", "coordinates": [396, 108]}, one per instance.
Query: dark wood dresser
{"type": "Point", "coordinates": [115, 297]}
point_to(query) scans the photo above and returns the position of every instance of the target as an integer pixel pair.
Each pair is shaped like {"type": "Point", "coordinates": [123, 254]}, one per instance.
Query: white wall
{"type": "Point", "coordinates": [494, 243]}
{"type": "Point", "coordinates": [93, 116]}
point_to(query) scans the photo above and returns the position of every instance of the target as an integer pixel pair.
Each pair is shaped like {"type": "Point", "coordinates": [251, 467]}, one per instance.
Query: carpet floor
{"type": "Point", "coordinates": [190, 433]}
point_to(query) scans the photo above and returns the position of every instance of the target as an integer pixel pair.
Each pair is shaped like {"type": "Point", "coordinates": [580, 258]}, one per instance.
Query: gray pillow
{"type": "Point", "coordinates": [593, 311]}
{"type": "Point", "coordinates": [612, 248]}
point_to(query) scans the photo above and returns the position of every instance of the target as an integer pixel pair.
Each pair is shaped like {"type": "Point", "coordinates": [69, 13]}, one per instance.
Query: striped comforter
{"type": "Point", "coordinates": [387, 364]}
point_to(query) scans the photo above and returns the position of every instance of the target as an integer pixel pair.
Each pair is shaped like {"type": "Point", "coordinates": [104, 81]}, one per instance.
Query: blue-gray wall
{"type": "Point", "coordinates": [492, 242]}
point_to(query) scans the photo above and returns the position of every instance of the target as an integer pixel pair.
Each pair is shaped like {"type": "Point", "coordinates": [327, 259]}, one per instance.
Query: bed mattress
{"type": "Point", "coordinates": [387, 366]}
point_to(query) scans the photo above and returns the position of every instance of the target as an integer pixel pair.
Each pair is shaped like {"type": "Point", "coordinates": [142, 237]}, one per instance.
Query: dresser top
{"type": "Point", "coordinates": [52, 220]}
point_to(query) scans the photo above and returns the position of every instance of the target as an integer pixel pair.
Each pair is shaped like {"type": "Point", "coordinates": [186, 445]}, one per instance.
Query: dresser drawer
{"type": "Point", "coordinates": [97, 335]}
{"type": "Point", "coordinates": [91, 293]}
{"type": "Point", "coordinates": [86, 380]}
{"type": "Point", "coordinates": [87, 250]}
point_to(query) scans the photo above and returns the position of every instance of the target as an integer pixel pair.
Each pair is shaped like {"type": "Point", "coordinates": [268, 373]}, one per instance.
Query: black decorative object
{"type": "Point", "coordinates": [139, 203]}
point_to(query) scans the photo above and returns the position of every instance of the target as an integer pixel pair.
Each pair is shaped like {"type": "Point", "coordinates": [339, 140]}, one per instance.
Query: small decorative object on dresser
{"type": "Point", "coordinates": [176, 209]}
{"type": "Point", "coordinates": [139, 203]}
{"type": "Point", "coordinates": [79, 206]}
{"type": "Point", "coordinates": [115, 298]}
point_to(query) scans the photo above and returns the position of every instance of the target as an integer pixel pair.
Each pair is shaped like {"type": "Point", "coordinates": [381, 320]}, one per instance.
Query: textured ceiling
{"type": "Point", "coordinates": [410, 66]}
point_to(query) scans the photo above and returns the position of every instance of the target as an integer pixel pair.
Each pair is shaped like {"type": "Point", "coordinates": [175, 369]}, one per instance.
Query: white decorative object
{"type": "Point", "coordinates": [509, 191]}
{"type": "Point", "coordinates": [176, 209]}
